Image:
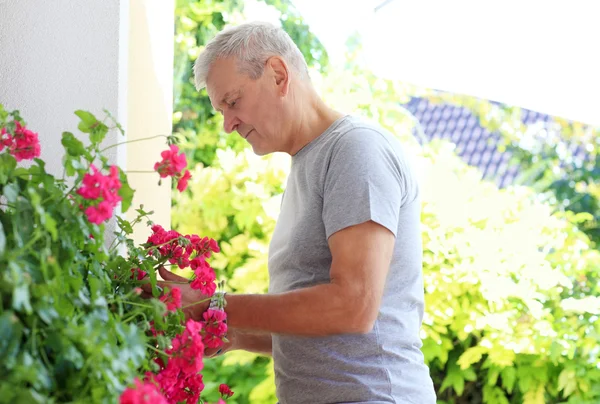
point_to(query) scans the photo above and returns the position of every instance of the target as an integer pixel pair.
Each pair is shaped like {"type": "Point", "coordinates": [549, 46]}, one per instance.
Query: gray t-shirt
{"type": "Point", "coordinates": [352, 173]}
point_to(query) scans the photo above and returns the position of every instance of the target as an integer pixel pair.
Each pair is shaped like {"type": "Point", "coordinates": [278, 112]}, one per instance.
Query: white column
{"type": "Point", "coordinates": [150, 105]}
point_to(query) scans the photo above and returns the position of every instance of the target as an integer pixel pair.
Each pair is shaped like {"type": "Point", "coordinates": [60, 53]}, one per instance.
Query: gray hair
{"type": "Point", "coordinates": [252, 44]}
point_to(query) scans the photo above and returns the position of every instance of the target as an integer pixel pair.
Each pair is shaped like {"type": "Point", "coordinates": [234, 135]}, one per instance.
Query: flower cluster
{"type": "Point", "coordinates": [172, 299]}
{"type": "Point", "coordinates": [23, 145]}
{"type": "Point", "coordinates": [215, 328]}
{"type": "Point", "coordinates": [225, 391]}
{"type": "Point", "coordinates": [102, 191]}
{"type": "Point", "coordinates": [172, 165]}
{"type": "Point", "coordinates": [143, 393]}
{"type": "Point", "coordinates": [180, 379]}
{"type": "Point", "coordinates": [186, 251]}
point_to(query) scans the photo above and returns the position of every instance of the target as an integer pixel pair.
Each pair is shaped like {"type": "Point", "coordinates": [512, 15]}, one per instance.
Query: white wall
{"type": "Point", "coordinates": [59, 56]}
{"type": "Point", "coordinates": [62, 55]}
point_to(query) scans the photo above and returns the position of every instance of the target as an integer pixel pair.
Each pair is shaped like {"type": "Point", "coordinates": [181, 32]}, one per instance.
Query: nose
{"type": "Point", "coordinates": [230, 122]}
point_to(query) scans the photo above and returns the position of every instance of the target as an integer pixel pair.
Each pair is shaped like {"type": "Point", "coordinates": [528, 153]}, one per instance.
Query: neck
{"type": "Point", "coordinates": [313, 117]}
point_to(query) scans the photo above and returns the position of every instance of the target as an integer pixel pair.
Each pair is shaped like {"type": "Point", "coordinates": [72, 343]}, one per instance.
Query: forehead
{"type": "Point", "coordinates": [223, 79]}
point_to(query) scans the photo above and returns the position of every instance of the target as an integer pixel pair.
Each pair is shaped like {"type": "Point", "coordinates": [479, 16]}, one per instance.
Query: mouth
{"type": "Point", "coordinates": [248, 134]}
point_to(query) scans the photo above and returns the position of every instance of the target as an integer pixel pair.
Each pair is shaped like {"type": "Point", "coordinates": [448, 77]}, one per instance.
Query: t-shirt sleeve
{"type": "Point", "coordinates": [363, 182]}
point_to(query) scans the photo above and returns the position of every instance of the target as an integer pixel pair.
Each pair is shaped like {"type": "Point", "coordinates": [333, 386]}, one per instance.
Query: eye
{"type": "Point", "coordinates": [233, 103]}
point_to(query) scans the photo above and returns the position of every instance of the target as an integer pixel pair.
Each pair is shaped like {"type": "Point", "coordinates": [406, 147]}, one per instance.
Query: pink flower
{"type": "Point", "coordinates": [100, 213]}
{"type": "Point", "coordinates": [5, 141]}
{"type": "Point", "coordinates": [225, 391]}
{"type": "Point", "coordinates": [172, 163]}
{"type": "Point", "coordinates": [204, 280]}
{"type": "Point", "coordinates": [183, 181]}
{"type": "Point", "coordinates": [140, 274]}
{"type": "Point", "coordinates": [215, 322]}
{"type": "Point", "coordinates": [102, 190]}
{"type": "Point", "coordinates": [172, 299]}
{"type": "Point", "coordinates": [25, 144]}
{"type": "Point", "coordinates": [142, 393]}
{"type": "Point", "coordinates": [212, 341]}
{"type": "Point", "coordinates": [180, 380]}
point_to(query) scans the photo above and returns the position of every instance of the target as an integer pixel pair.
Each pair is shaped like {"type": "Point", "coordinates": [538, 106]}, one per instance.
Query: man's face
{"type": "Point", "coordinates": [249, 107]}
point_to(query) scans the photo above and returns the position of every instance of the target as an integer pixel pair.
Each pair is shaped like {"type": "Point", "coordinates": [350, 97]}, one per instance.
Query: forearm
{"type": "Point", "coordinates": [260, 343]}
{"type": "Point", "coordinates": [315, 311]}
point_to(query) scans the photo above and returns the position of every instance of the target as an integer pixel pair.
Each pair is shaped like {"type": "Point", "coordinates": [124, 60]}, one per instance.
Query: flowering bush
{"type": "Point", "coordinates": [73, 324]}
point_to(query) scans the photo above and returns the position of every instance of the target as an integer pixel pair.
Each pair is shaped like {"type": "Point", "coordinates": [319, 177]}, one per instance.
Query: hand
{"type": "Point", "coordinates": [193, 302]}
{"type": "Point", "coordinates": [228, 346]}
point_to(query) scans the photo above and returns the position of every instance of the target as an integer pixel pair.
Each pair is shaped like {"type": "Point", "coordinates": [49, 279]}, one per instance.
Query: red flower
{"type": "Point", "coordinates": [102, 189]}
{"type": "Point", "coordinates": [5, 141]}
{"type": "Point", "coordinates": [183, 181]}
{"type": "Point", "coordinates": [180, 380]}
{"type": "Point", "coordinates": [100, 213]}
{"type": "Point", "coordinates": [140, 274]}
{"type": "Point", "coordinates": [215, 322]}
{"type": "Point", "coordinates": [24, 145]}
{"type": "Point", "coordinates": [172, 299]}
{"type": "Point", "coordinates": [204, 280]}
{"type": "Point", "coordinates": [172, 163]}
{"type": "Point", "coordinates": [142, 393]}
{"type": "Point", "coordinates": [225, 391]}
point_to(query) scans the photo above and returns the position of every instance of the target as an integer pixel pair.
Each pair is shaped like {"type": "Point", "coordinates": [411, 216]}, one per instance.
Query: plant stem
{"type": "Point", "coordinates": [131, 141]}
{"type": "Point", "coordinates": [157, 350]}
{"type": "Point", "coordinates": [195, 303]}
{"type": "Point", "coordinates": [137, 304]}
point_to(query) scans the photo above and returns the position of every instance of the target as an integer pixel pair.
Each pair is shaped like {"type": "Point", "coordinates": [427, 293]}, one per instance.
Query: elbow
{"type": "Point", "coordinates": [362, 320]}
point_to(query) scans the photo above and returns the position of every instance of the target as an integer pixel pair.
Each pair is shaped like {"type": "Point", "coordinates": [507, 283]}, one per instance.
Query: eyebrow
{"type": "Point", "coordinates": [230, 94]}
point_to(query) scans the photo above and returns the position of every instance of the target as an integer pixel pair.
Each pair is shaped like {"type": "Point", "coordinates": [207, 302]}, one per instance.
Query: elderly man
{"type": "Point", "coordinates": [345, 302]}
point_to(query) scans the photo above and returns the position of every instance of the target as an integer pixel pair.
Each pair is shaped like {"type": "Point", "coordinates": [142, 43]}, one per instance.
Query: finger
{"type": "Point", "coordinates": [212, 352]}
{"type": "Point", "coordinates": [146, 287]}
{"type": "Point", "coordinates": [170, 276]}
{"type": "Point", "coordinates": [146, 295]}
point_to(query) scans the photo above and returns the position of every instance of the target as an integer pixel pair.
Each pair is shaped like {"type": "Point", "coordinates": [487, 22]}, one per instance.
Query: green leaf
{"type": "Point", "coordinates": [88, 120]}
{"type": "Point", "coordinates": [567, 381]}
{"type": "Point", "coordinates": [125, 192]}
{"type": "Point", "coordinates": [11, 192]}
{"type": "Point", "coordinates": [21, 299]}
{"type": "Point", "coordinates": [98, 133]}
{"type": "Point", "coordinates": [7, 164]}
{"type": "Point", "coordinates": [50, 225]}
{"type": "Point", "coordinates": [74, 146]}
{"type": "Point", "coordinates": [494, 395]}
{"type": "Point", "coordinates": [509, 376]}
{"type": "Point", "coordinates": [11, 331]}
{"type": "Point", "coordinates": [124, 225]}
{"type": "Point", "coordinates": [535, 396]}
{"type": "Point", "coordinates": [470, 356]}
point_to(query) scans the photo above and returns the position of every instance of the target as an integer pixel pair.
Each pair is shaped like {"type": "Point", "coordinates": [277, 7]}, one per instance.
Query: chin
{"type": "Point", "coordinates": [260, 151]}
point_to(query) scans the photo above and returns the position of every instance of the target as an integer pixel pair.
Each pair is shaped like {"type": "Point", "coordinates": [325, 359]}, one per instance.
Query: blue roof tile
{"type": "Point", "coordinates": [474, 144]}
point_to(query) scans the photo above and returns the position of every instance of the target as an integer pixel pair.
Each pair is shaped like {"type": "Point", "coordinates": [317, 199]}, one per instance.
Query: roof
{"type": "Point", "coordinates": [476, 145]}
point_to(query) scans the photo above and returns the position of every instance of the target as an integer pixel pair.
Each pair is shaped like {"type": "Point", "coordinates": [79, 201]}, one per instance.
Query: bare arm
{"type": "Point", "coordinates": [348, 304]}
{"type": "Point", "coordinates": [260, 343]}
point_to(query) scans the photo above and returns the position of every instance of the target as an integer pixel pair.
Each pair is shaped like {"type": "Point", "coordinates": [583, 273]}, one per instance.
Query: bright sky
{"type": "Point", "coordinates": [541, 55]}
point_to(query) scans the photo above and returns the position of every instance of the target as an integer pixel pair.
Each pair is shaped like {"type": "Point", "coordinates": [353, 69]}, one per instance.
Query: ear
{"type": "Point", "coordinates": [280, 74]}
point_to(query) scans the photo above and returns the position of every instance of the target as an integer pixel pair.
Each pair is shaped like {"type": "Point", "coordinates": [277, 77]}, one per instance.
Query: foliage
{"type": "Point", "coordinates": [73, 327]}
